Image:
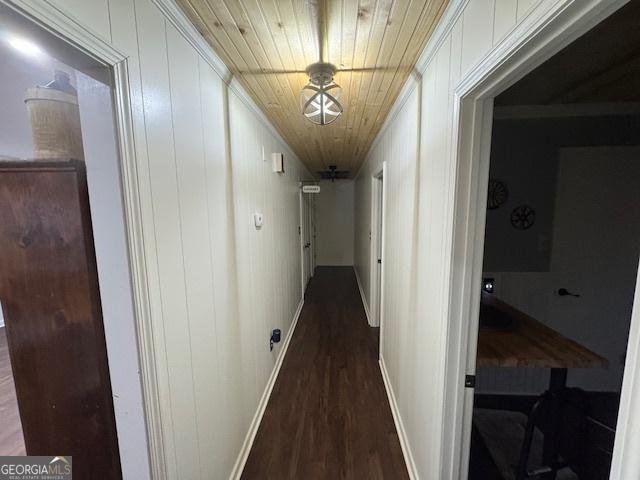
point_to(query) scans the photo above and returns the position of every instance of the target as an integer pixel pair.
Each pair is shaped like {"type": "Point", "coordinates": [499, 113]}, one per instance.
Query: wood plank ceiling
{"type": "Point", "coordinates": [267, 44]}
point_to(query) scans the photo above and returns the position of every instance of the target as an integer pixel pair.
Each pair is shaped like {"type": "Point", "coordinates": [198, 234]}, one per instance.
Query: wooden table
{"type": "Point", "coordinates": [529, 343]}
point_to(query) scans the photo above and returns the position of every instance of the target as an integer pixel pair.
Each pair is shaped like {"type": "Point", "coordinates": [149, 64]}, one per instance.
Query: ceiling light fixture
{"type": "Point", "coordinates": [319, 98]}
{"type": "Point", "coordinates": [25, 46]}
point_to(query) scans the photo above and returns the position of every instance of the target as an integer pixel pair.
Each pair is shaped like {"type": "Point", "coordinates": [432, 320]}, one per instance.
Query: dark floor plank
{"type": "Point", "coordinates": [328, 416]}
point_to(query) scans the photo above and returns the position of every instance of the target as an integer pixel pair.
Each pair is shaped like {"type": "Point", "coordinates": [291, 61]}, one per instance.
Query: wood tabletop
{"type": "Point", "coordinates": [529, 343]}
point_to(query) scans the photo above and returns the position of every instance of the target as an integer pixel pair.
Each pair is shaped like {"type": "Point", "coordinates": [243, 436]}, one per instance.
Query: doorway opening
{"type": "Point", "coordinates": [377, 250]}
{"type": "Point", "coordinates": [64, 273]}
{"type": "Point", "coordinates": [307, 237]}
{"type": "Point", "coordinates": [560, 263]}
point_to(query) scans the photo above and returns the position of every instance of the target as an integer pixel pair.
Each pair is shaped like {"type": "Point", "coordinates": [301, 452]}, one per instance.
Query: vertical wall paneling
{"type": "Point", "coordinates": [504, 18]}
{"type": "Point", "coordinates": [93, 14]}
{"type": "Point", "coordinates": [198, 331]}
{"type": "Point", "coordinates": [227, 393]}
{"type": "Point", "coordinates": [477, 36]}
{"type": "Point", "coordinates": [239, 150]}
{"type": "Point", "coordinates": [334, 208]}
{"type": "Point", "coordinates": [154, 66]}
{"type": "Point", "coordinates": [524, 7]}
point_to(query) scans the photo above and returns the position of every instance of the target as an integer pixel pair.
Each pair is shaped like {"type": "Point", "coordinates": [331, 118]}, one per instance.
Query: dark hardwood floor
{"type": "Point", "coordinates": [11, 438]}
{"type": "Point", "coordinates": [328, 416]}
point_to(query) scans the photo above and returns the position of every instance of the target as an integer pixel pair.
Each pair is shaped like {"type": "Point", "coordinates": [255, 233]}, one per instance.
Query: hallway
{"type": "Point", "coordinates": [249, 188]}
{"type": "Point", "coordinates": [328, 415]}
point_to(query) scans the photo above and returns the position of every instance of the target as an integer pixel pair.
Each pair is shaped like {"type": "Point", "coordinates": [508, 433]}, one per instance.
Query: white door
{"type": "Point", "coordinates": [307, 236]}
{"type": "Point", "coordinates": [303, 242]}
{"type": "Point", "coordinates": [377, 230]}
{"type": "Point", "coordinates": [379, 251]}
{"type": "Point", "coordinates": [312, 253]}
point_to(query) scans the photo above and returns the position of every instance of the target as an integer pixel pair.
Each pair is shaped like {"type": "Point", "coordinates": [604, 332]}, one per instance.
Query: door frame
{"type": "Point", "coordinates": [377, 236]}
{"type": "Point", "coordinates": [312, 235]}
{"type": "Point", "coordinates": [305, 256]}
{"type": "Point", "coordinates": [534, 40]}
{"type": "Point", "coordinates": [376, 287]}
{"type": "Point", "coordinates": [57, 22]}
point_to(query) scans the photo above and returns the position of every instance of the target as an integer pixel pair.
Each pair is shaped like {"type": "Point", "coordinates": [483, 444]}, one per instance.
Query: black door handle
{"type": "Point", "coordinates": [563, 292]}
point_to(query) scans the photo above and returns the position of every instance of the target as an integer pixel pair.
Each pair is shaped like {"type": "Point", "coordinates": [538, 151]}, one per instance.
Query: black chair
{"type": "Point", "coordinates": [561, 417]}
{"type": "Point", "coordinates": [557, 439]}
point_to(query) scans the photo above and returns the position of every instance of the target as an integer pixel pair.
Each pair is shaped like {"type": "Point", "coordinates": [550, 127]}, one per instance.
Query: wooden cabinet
{"type": "Point", "coordinates": [51, 302]}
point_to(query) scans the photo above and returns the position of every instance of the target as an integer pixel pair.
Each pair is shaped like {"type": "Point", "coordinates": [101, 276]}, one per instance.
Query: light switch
{"type": "Point", "coordinates": [258, 219]}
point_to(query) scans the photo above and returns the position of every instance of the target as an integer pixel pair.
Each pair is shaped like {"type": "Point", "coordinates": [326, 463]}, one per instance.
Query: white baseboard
{"type": "Point", "coordinates": [364, 299]}
{"type": "Point", "coordinates": [397, 419]}
{"type": "Point", "coordinates": [257, 418]}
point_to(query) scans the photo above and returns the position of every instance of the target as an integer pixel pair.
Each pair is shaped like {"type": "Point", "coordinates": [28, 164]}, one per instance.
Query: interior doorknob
{"type": "Point", "coordinates": [563, 292]}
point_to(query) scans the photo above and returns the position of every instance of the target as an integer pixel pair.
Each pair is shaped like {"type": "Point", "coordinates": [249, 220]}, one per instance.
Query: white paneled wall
{"type": "Point", "coordinates": [268, 258]}
{"type": "Point", "coordinates": [334, 223]}
{"type": "Point", "coordinates": [218, 284]}
{"type": "Point", "coordinates": [419, 220]}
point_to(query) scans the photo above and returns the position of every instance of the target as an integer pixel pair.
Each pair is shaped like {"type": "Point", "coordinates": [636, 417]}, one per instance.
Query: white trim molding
{"type": "Point", "coordinates": [236, 473]}
{"type": "Point", "coordinates": [397, 419]}
{"type": "Point", "coordinates": [363, 297]}
{"type": "Point", "coordinates": [444, 27]}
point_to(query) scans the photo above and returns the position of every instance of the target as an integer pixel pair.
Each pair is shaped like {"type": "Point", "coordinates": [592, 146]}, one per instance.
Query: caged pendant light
{"type": "Point", "coordinates": [319, 99]}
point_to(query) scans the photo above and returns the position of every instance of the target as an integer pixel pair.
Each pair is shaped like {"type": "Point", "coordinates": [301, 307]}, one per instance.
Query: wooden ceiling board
{"type": "Point", "coordinates": [267, 44]}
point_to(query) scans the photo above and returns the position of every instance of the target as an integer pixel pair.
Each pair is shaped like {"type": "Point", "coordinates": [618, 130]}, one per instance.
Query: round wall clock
{"type": "Point", "coordinates": [498, 193]}
{"type": "Point", "coordinates": [523, 217]}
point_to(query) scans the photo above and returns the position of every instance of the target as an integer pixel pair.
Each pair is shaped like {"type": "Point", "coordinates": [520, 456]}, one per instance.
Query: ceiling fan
{"type": "Point", "coordinates": [333, 173]}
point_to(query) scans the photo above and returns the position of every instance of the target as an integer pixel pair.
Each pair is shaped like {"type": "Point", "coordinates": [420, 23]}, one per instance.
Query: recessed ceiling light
{"type": "Point", "coordinates": [25, 46]}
